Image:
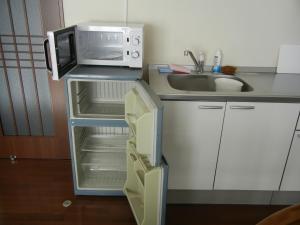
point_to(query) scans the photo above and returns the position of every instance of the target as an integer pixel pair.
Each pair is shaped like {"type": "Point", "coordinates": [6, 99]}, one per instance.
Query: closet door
{"type": "Point", "coordinates": [32, 109]}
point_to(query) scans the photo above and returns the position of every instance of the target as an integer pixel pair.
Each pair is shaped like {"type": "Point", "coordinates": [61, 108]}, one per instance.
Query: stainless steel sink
{"type": "Point", "coordinates": [203, 82]}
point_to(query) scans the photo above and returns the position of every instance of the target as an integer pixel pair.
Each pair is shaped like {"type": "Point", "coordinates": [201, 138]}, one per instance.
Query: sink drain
{"type": "Point", "coordinates": [67, 203]}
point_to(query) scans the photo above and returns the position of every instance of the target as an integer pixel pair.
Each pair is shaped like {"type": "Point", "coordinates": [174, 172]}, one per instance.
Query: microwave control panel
{"type": "Point", "coordinates": [135, 42]}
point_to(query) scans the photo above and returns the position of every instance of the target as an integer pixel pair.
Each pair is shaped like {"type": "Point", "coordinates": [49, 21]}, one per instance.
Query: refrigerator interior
{"type": "Point", "coordinates": [100, 154]}
{"type": "Point", "coordinates": [98, 99]}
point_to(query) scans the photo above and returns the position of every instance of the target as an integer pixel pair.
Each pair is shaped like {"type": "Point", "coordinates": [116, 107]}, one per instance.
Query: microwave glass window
{"type": "Point", "coordinates": [65, 53]}
{"type": "Point", "coordinates": [101, 45]}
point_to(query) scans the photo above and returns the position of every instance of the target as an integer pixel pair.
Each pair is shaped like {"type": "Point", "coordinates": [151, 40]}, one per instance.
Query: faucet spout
{"type": "Point", "coordinates": [198, 64]}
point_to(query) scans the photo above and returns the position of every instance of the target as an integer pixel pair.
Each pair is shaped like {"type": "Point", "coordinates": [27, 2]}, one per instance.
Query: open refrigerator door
{"type": "Point", "coordinates": [146, 183]}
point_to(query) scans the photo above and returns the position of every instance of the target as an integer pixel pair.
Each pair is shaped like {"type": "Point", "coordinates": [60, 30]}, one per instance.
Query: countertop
{"type": "Point", "coordinates": [269, 87]}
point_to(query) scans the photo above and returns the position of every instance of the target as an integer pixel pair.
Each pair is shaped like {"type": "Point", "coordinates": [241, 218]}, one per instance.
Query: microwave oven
{"type": "Point", "coordinates": [109, 44]}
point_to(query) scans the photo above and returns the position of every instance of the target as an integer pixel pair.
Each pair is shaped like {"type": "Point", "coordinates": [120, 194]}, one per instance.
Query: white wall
{"type": "Point", "coordinates": [76, 11]}
{"type": "Point", "coordinates": [248, 31]}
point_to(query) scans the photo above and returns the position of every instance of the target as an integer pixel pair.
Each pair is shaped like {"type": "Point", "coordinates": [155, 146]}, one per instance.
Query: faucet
{"type": "Point", "coordinates": [199, 65]}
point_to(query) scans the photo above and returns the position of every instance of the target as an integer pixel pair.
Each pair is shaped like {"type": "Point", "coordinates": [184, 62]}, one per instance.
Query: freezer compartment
{"type": "Point", "coordinates": [100, 157]}
{"type": "Point", "coordinates": [98, 98]}
{"type": "Point", "coordinates": [145, 188]}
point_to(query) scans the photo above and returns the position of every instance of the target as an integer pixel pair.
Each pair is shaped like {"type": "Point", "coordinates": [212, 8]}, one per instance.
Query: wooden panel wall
{"type": "Point", "coordinates": [32, 107]}
{"type": "Point", "coordinates": [26, 107]}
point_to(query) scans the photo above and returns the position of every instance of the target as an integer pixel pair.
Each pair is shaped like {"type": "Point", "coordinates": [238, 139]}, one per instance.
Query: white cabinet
{"type": "Point", "coordinates": [291, 181]}
{"type": "Point", "coordinates": [255, 142]}
{"type": "Point", "coordinates": [191, 137]}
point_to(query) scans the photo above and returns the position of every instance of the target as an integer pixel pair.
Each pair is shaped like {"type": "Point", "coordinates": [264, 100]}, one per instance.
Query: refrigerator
{"type": "Point", "coordinates": [115, 131]}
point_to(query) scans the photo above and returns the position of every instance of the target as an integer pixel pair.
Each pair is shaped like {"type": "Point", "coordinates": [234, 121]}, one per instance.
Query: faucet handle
{"type": "Point", "coordinates": [201, 56]}
{"type": "Point", "coordinates": [186, 52]}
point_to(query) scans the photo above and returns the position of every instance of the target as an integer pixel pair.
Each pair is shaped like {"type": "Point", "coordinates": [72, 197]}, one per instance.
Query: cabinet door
{"type": "Point", "coordinates": [291, 181]}
{"type": "Point", "coordinates": [255, 142]}
{"type": "Point", "coordinates": [191, 136]}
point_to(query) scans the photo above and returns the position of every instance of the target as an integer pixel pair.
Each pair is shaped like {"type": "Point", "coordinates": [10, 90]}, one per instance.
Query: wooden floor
{"type": "Point", "coordinates": [32, 193]}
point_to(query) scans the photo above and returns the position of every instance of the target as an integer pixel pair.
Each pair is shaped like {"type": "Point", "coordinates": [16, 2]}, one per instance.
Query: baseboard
{"type": "Point", "coordinates": [232, 197]}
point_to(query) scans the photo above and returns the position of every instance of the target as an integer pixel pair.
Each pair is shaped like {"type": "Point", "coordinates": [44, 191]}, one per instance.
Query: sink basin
{"type": "Point", "coordinates": [203, 82]}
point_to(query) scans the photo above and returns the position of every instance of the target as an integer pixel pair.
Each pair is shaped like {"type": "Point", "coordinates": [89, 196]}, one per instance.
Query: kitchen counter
{"type": "Point", "coordinates": [269, 87]}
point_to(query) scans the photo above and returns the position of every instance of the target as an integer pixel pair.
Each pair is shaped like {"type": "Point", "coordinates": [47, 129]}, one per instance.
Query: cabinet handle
{"type": "Point", "coordinates": [242, 107]}
{"type": "Point", "coordinates": [210, 107]}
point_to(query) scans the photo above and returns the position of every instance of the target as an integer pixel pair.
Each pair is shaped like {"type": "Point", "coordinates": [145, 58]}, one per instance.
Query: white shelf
{"type": "Point", "coordinates": [105, 161]}
{"type": "Point", "coordinates": [104, 143]}
{"type": "Point", "coordinates": [102, 180]}
{"type": "Point", "coordinates": [103, 110]}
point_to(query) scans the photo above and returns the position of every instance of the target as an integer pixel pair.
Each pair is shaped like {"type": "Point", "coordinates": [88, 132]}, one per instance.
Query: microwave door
{"type": "Point", "coordinates": [62, 47]}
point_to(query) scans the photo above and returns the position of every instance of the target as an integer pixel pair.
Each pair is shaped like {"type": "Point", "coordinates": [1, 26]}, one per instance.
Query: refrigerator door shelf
{"type": "Point", "coordinates": [145, 188]}
{"type": "Point", "coordinates": [144, 118]}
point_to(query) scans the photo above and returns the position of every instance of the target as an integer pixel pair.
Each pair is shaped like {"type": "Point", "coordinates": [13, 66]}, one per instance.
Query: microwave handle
{"type": "Point", "coordinates": [72, 46]}
{"type": "Point", "coordinates": [46, 44]}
